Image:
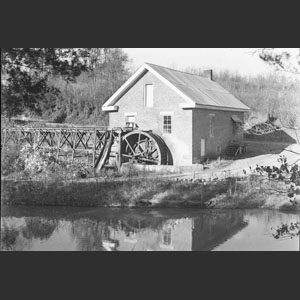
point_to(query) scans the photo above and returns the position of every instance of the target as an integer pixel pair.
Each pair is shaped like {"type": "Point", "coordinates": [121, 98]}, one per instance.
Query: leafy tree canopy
{"type": "Point", "coordinates": [25, 72]}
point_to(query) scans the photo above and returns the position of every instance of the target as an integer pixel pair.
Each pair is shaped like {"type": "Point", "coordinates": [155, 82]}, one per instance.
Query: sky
{"type": "Point", "coordinates": [240, 60]}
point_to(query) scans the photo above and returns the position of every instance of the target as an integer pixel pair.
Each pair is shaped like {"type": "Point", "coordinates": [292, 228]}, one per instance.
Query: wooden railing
{"type": "Point", "coordinates": [77, 141]}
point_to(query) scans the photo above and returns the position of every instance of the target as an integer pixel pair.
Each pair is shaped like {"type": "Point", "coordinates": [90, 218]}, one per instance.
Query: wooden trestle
{"type": "Point", "coordinates": [75, 142]}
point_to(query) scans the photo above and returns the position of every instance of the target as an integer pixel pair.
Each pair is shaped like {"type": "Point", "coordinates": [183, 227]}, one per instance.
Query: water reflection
{"type": "Point", "coordinates": [25, 228]}
{"type": "Point", "coordinates": [212, 230]}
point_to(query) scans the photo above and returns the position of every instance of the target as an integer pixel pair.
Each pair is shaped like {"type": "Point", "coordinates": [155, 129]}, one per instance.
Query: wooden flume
{"type": "Point", "coordinates": [101, 147]}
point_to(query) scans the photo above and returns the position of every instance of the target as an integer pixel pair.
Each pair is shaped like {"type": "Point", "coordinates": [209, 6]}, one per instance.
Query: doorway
{"type": "Point", "coordinates": [202, 148]}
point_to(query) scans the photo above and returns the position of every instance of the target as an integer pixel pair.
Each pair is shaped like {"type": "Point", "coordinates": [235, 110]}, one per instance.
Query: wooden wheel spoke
{"type": "Point", "coordinates": [142, 150]}
{"type": "Point", "coordinates": [153, 151]}
{"type": "Point", "coordinates": [127, 155]}
{"type": "Point", "coordinates": [146, 148]}
{"type": "Point", "coordinates": [129, 146]}
{"type": "Point", "coordinates": [149, 160]}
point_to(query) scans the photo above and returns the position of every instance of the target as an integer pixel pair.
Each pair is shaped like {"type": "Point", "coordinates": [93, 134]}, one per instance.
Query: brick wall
{"type": "Point", "coordinates": [223, 131]}
{"type": "Point", "coordinates": [165, 100]}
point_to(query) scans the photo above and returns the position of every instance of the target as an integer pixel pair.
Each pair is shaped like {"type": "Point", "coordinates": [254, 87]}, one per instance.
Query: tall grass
{"type": "Point", "coordinates": [131, 193]}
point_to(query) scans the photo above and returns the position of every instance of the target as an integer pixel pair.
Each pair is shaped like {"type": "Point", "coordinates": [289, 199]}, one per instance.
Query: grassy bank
{"type": "Point", "coordinates": [252, 192]}
{"type": "Point", "coordinates": [38, 178]}
{"type": "Point", "coordinates": [127, 193]}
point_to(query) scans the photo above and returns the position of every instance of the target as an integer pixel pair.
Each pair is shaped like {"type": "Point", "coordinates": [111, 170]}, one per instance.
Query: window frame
{"type": "Point", "coordinates": [145, 95]}
{"type": "Point", "coordinates": [211, 125]}
{"type": "Point", "coordinates": [167, 237]}
{"type": "Point", "coordinates": [127, 120]}
{"type": "Point", "coordinates": [163, 124]}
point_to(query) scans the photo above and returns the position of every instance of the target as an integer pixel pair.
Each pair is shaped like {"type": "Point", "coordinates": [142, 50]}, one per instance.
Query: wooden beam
{"type": "Point", "coordinates": [119, 160]}
{"type": "Point", "coordinates": [94, 146]}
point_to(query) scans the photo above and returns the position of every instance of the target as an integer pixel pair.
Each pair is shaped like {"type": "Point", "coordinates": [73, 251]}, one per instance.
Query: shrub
{"type": "Point", "coordinates": [9, 156]}
{"type": "Point", "coordinates": [27, 162]}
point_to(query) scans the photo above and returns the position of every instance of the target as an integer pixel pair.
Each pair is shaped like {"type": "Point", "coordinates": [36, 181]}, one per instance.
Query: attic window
{"type": "Point", "coordinates": [148, 95]}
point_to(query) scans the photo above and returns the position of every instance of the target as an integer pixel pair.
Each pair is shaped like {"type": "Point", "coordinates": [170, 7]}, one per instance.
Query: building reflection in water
{"type": "Point", "coordinates": [201, 233]}
{"type": "Point", "coordinates": [211, 230]}
{"type": "Point", "coordinates": [124, 230]}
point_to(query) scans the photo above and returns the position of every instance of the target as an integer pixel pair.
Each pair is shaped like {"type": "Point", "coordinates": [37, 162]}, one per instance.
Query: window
{"type": "Point", "coordinates": [148, 95]}
{"type": "Point", "coordinates": [211, 125]}
{"type": "Point", "coordinates": [167, 237]}
{"type": "Point", "coordinates": [130, 121]}
{"type": "Point", "coordinates": [167, 124]}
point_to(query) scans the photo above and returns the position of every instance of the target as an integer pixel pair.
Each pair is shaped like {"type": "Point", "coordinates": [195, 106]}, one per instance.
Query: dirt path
{"type": "Point", "coordinates": [237, 167]}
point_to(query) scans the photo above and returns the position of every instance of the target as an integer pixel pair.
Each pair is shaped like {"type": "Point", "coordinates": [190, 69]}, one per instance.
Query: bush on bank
{"type": "Point", "coordinates": [25, 162]}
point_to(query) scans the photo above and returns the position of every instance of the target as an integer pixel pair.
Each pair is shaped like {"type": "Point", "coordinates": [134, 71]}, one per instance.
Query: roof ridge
{"type": "Point", "coordinates": [174, 70]}
{"type": "Point", "coordinates": [193, 89]}
{"type": "Point", "coordinates": [223, 89]}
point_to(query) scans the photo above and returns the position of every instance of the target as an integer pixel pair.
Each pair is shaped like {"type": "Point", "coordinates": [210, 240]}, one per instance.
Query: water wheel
{"type": "Point", "coordinates": [144, 147]}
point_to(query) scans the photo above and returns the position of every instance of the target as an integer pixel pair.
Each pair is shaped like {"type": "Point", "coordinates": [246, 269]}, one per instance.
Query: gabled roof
{"type": "Point", "coordinates": [196, 91]}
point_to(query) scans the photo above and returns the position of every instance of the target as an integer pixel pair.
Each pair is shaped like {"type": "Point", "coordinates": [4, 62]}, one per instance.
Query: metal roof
{"type": "Point", "coordinates": [201, 90]}
{"type": "Point", "coordinates": [196, 91]}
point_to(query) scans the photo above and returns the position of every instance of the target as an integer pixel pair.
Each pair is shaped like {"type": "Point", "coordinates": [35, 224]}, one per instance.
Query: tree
{"type": "Point", "coordinates": [81, 102]}
{"type": "Point", "coordinates": [288, 118]}
{"type": "Point", "coordinates": [288, 110]}
{"type": "Point", "coordinates": [287, 60]}
{"type": "Point", "coordinates": [282, 59]}
{"type": "Point", "coordinates": [25, 72]}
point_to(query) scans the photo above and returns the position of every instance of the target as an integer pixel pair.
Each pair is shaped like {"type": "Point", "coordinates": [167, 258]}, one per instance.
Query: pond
{"type": "Point", "coordinates": [108, 229]}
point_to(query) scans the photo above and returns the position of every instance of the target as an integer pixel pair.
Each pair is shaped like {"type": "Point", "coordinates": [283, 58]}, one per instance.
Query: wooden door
{"type": "Point", "coordinates": [202, 148]}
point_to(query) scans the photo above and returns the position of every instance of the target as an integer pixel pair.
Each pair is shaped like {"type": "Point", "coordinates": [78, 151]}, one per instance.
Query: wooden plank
{"type": "Point", "coordinates": [102, 160]}
{"type": "Point", "coordinates": [84, 140]}
{"type": "Point", "coordinates": [119, 159]}
{"type": "Point", "coordinates": [74, 146]}
{"type": "Point", "coordinates": [94, 146]}
{"type": "Point", "coordinates": [58, 136]}
{"type": "Point", "coordinates": [80, 137]}
{"type": "Point", "coordinates": [88, 139]}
